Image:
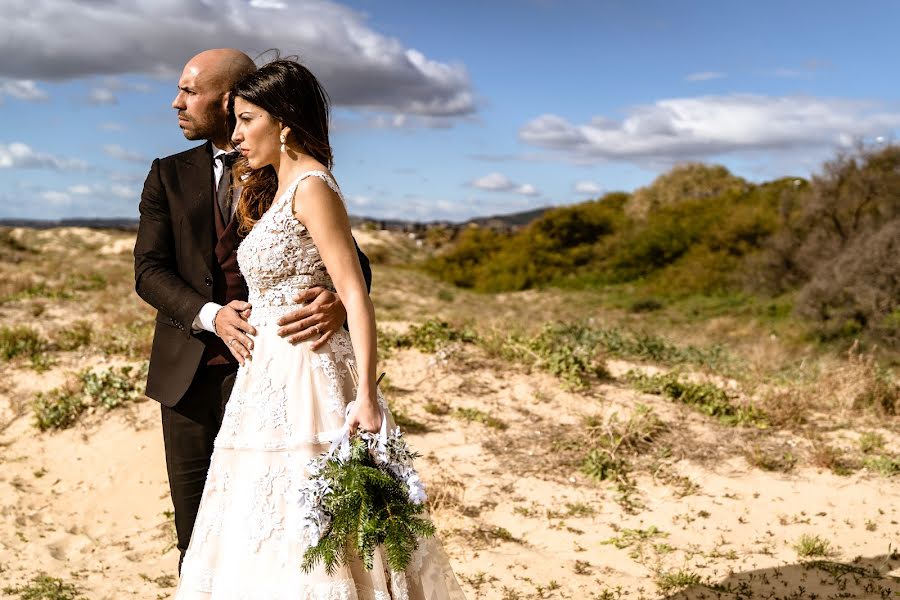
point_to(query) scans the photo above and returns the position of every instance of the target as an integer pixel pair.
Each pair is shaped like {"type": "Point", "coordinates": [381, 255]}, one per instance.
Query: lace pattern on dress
{"type": "Point", "coordinates": [278, 258]}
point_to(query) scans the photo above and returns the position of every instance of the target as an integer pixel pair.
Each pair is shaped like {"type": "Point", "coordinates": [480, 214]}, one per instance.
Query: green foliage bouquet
{"type": "Point", "coordinates": [363, 493]}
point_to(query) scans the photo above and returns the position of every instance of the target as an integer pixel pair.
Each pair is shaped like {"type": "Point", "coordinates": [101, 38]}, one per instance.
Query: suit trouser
{"type": "Point", "coordinates": [189, 430]}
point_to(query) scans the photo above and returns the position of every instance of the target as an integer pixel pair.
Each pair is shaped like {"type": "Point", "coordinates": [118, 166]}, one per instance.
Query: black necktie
{"type": "Point", "coordinates": [223, 189]}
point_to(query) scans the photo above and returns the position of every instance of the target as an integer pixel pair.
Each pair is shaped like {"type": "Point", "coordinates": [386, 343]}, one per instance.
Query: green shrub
{"type": "Point", "coordinates": [21, 341]}
{"type": "Point", "coordinates": [44, 587]}
{"type": "Point", "coordinates": [113, 387]}
{"type": "Point", "coordinates": [808, 546]}
{"type": "Point", "coordinates": [704, 397]}
{"type": "Point", "coordinates": [76, 336]}
{"type": "Point", "coordinates": [430, 336]}
{"type": "Point", "coordinates": [61, 407]}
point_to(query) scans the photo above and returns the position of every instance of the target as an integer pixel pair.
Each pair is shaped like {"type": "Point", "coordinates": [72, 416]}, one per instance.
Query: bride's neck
{"type": "Point", "coordinates": [292, 164]}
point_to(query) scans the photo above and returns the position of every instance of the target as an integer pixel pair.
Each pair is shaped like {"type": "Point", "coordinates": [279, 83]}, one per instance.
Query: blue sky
{"type": "Point", "coordinates": [453, 110]}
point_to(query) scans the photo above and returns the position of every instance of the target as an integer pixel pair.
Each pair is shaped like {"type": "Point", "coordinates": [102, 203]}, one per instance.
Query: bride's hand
{"type": "Point", "coordinates": [365, 415]}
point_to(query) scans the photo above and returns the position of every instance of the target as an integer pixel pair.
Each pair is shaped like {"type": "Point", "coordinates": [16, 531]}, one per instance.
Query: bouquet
{"type": "Point", "coordinates": [363, 493]}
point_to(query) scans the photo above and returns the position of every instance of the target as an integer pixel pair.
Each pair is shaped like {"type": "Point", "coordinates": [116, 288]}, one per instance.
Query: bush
{"type": "Point", "coordinates": [78, 335]}
{"type": "Point", "coordinates": [45, 587]}
{"type": "Point", "coordinates": [61, 407]}
{"type": "Point", "coordinates": [704, 397]}
{"type": "Point", "coordinates": [859, 290]}
{"type": "Point", "coordinates": [691, 181]}
{"type": "Point", "coordinates": [20, 341]}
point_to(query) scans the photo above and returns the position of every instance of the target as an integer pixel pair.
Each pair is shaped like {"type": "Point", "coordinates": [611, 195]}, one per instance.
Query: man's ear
{"type": "Point", "coordinates": [225, 98]}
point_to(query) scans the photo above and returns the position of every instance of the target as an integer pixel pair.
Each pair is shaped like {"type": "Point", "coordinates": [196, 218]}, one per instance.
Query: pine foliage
{"type": "Point", "coordinates": [369, 507]}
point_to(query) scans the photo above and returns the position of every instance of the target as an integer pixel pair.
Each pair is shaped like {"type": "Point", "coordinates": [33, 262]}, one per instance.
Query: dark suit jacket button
{"type": "Point", "coordinates": [207, 281]}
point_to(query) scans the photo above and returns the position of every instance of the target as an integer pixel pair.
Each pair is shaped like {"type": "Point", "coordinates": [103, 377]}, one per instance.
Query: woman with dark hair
{"type": "Point", "coordinates": [249, 540]}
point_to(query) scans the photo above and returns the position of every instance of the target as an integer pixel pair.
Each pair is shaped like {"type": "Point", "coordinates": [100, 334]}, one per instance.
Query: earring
{"type": "Point", "coordinates": [283, 139]}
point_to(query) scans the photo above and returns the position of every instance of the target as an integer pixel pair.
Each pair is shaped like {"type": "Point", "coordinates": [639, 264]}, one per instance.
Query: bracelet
{"type": "Point", "coordinates": [215, 330]}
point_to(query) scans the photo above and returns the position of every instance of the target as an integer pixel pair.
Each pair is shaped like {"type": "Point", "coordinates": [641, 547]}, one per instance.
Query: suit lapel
{"type": "Point", "coordinates": [195, 173]}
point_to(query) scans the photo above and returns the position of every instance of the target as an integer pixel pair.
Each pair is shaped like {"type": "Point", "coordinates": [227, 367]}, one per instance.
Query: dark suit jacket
{"type": "Point", "coordinates": [173, 261]}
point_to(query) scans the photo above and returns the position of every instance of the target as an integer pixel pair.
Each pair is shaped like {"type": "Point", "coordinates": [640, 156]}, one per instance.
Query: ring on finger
{"type": "Point", "coordinates": [316, 326]}
{"type": "Point", "coordinates": [232, 341]}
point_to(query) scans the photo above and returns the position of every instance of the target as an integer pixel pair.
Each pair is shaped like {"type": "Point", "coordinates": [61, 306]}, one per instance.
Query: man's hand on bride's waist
{"type": "Point", "coordinates": [321, 315]}
{"type": "Point", "coordinates": [231, 325]}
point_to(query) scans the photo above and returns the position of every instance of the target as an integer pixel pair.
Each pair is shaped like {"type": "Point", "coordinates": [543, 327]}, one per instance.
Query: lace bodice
{"type": "Point", "coordinates": [278, 258]}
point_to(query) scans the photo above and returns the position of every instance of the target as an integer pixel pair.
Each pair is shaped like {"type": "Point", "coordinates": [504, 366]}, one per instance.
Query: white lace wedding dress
{"type": "Point", "coordinates": [248, 540]}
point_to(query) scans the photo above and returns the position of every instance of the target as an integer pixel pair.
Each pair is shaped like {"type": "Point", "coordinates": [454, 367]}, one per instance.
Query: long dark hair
{"type": "Point", "coordinates": [292, 95]}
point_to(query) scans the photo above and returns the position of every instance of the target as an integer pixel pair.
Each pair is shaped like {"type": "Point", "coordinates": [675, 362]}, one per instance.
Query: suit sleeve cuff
{"type": "Point", "coordinates": [205, 319]}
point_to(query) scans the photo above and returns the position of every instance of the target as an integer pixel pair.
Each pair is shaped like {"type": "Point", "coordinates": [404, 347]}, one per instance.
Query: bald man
{"type": "Point", "coordinates": [185, 266]}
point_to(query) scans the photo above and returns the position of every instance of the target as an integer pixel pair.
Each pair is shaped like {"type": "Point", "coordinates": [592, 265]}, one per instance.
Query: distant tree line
{"type": "Point", "coordinates": [831, 243]}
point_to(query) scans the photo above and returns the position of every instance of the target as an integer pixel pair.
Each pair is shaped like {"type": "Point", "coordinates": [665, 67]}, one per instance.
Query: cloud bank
{"type": "Point", "coordinates": [699, 128]}
{"type": "Point", "coordinates": [360, 67]}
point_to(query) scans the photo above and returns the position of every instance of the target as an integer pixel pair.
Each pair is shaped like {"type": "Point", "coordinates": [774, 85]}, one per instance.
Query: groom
{"type": "Point", "coordinates": [185, 266]}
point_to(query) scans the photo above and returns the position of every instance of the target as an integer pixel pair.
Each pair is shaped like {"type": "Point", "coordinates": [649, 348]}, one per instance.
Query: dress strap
{"type": "Point", "coordinates": [289, 193]}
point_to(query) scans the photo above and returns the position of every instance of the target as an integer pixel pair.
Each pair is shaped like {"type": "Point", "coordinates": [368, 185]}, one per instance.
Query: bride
{"type": "Point", "coordinates": [248, 540]}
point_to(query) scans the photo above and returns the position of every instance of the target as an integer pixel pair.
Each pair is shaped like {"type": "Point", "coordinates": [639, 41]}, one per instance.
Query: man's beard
{"type": "Point", "coordinates": [196, 131]}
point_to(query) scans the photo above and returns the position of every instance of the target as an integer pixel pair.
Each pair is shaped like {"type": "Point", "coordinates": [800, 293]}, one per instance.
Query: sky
{"type": "Point", "coordinates": [450, 110]}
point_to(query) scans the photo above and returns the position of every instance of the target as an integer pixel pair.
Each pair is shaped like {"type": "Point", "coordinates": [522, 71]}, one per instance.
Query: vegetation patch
{"type": "Point", "coordinates": [703, 397]}
{"type": "Point", "coordinates": [61, 407]}
{"type": "Point", "coordinates": [26, 342]}
{"type": "Point", "coordinates": [45, 587]}
{"type": "Point", "coordinates": [674, 581]}
{"type": "Point", "coordinates": [812, 546]}
{"type": "Point", "coordinates": [479, 416]}
{"type": "Point", "coordinates": [427, 337]}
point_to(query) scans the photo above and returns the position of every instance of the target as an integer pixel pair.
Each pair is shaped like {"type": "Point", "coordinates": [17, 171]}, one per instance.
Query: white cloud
{"type": "Point", "coordinates": [120, 153]}
{"type": "Point", "coordinates": [270, 4]}
{"type": "Point", "coordinates": [21, 156]}
{"type": "Point", "coordinates": [587, 187]}
{"type": "Point", "coordinates": [360, 67]}
{"type": "Point", "coordinates": [101, 96]}
{"type": "Point", "coordinates": [112, 126]}
{"type": "Point", "coordinates": [498, 182]}
{"type": "Point", "coordinates": [698, 128]}
{"type": "Point", "coordinates": [107, 92]}
{"type": "Point", "coordinates": [704, 76]}
{"type": "Point", "coordinates": [21, 89]}
{"type": "Point", "coordinates": [494, 182]}
{"type": "Point", "coordinates": [360, 200]}
{"type": "Point", "coordinates": [123, 191]}
{"type": "Point", "coordinates": [56, 198]}
{"type": "Point", "coordinates": [81, 190]}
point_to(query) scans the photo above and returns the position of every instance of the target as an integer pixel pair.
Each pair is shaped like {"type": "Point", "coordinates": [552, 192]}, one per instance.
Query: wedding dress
{"type": "Point", "coordinates": [248, 540]}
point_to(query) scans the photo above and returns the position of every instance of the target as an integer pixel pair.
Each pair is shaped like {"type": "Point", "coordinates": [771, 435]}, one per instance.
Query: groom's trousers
{"type": "Point", "coordinates": [189, 430]}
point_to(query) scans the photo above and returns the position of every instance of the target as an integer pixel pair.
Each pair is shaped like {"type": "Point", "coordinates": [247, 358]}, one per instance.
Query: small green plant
{"type": "Point", "coordinates": [570, 353]}
{"type": "Point", "coordinates": [437, 408]}
{"type": "Point", "coordinates": [633, 537]}
{"type": "Point", "coordinates": [871, 442]}
{"type": "Point", "coordinates": [45, 587]}
{"type": "Point", "coordinates": [673, 581]}
{"type": "Point", "coordinates": [114, 387]}
{"type": "Point", "coordinates": [811, 546]}
{"type": "Point", "coordinates": [887, 466]}
{"type": "Point", "coordinates": [59, 408]}
{"type": "Point", "coordinates": [430, 336]}
{"type": "Point", "coordinates": [26, 342]}
{"type": "Point", "coordinates": [582, 567]}
{"type": "Point", "coordinates": [830, 457]}
{"type": "Point", "coordinates": [782, 460]}
{"type": "Point", "coordinates": [76, 336]}
{"type": "Point", "coordinates": [704, 397]}
{"type": "Point", "coordinates": [474, 414]}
